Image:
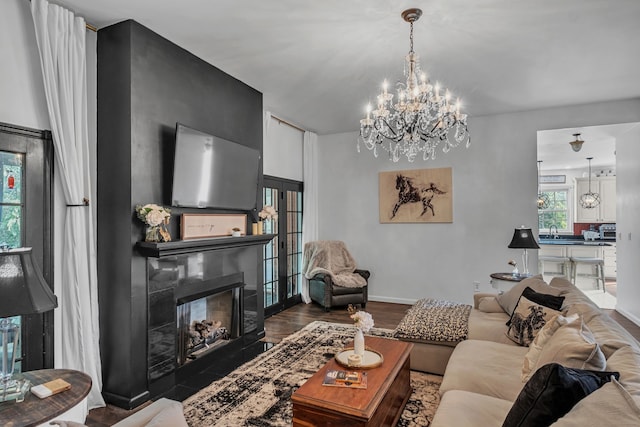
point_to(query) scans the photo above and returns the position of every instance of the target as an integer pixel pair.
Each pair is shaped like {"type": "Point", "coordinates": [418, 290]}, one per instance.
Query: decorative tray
{"type": "Point", "coordinates": [371, 359]}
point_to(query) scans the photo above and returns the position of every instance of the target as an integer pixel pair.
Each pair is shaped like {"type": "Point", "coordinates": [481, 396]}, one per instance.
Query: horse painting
{"type": "Point", "coordinates": [408, 192]}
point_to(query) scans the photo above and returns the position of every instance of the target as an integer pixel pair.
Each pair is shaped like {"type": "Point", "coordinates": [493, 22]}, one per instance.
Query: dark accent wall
{"type": "Point", "coordinates": [145, 85]}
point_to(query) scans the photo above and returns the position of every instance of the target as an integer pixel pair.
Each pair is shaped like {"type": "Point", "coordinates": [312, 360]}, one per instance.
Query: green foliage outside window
{"type": "Point", "coordinates": [557, 214]}
{"type": "Point", "coordinates": [11, 199]}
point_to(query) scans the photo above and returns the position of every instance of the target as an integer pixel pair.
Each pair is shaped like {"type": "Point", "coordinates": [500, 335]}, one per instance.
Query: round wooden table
{"type": "Point", "coordinates": [504, 281]}
{"type": "Point", "coordinates": [34, 411]}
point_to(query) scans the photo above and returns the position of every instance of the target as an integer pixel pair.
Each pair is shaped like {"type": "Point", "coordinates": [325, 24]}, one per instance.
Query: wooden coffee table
{"type": "Point", "coordinates": [380, 404]}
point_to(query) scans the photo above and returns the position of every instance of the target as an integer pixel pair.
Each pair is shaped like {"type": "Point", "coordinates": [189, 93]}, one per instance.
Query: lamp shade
{"type": "Point", "coordinates": [23, 289]}
{"type": "Point", "coordinates": [523, 239]}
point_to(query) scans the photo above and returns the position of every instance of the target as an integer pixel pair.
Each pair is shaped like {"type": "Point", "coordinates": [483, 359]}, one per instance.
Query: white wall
{"type": "Point", "coordinates": [494, 190]}
{"type": "Point", "coordinates": [282, 150]}
{"type": "Point", "coordinates": [627, 224]}
{"type": "Point", "coordinates": [22, 100]}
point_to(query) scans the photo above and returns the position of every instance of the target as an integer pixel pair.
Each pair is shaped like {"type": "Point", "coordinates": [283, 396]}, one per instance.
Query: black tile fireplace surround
{"type": "Point", "coordinates": [184, 271]}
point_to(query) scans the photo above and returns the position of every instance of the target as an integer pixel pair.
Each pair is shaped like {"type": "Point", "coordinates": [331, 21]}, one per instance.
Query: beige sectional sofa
{"type": "Point", "coordinates": [483, 375]}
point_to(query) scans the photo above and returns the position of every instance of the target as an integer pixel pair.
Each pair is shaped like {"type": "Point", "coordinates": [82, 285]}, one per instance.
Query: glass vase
{"type": "Point", "coordinates": [152, 233]}
{"type": "Point", "coordinates": [358, 342]}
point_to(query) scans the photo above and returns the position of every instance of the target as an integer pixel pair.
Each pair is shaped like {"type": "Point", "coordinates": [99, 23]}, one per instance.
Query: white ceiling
{"type": "Point", "coordinates": [319, 62]}
{"type": "Point", "coordinates": [599, 142]}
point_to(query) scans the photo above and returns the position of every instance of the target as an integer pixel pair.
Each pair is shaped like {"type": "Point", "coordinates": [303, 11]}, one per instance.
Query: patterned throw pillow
{"type": "Point", "coordinates": [527, 320]}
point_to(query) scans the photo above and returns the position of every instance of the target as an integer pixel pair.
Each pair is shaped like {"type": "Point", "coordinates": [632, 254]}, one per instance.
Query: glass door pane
{"type": "Point", "coordinates": [283, 255]}
{"type": "Point", "coordinates": [11, 209]}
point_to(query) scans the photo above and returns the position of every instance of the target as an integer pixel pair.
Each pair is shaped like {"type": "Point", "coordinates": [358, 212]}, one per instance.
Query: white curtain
{"type": "Point", "coordinates": [61, 43]}
{"type": "Point", "coordinates": [310, 198]}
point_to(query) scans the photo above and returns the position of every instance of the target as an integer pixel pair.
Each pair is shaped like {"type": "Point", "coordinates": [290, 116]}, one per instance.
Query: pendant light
{"type": "Point", "coordinates": [589, 200]}
{"type": "Point", "coordinates": [543, 198]}
{"type": "Point", "coordinates": [577, 144]}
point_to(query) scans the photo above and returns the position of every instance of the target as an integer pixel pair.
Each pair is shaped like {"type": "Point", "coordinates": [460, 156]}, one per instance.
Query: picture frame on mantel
{"type": "Point", "coordinates": [202, 226]}
{"type": "Point", "coordinates": [416, 196]}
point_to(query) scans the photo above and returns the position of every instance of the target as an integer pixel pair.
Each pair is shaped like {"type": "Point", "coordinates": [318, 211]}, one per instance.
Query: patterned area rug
{"type": "Point", "coordinates": [258, 393]}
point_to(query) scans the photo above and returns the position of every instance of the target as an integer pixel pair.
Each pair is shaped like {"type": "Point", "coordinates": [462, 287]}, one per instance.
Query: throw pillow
{"type": "Point", "coordinates": [509, 299]}
{"type": "Point", "coordinates": [551, 301]}
{"type": "Point", "coordinates": [531, 358]}
{"type": "Point", "coordinates": [612, 404]}
{"type": "Point", "coordinates": [527, 320]}
{"type": "Point", "coordinates": [573, 346]}
{"type": "Point", "coordinates": [551, 392]}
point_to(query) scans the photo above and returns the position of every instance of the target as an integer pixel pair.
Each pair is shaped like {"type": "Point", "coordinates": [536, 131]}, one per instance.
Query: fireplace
{"type": "Point", "coordinates": [204, 305]}
{"type": "Point", "coordinates": [208, 316]}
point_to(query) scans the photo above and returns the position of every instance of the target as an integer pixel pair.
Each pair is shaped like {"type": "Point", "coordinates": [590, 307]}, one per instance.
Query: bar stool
{"type": "Point", "coordinates": [598, 263]}
{"type": "Point", "coordinates": [565, 263]}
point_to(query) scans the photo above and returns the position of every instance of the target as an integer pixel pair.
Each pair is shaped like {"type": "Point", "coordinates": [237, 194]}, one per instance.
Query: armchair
{"type": "Point", "coordinates": [333, 277]}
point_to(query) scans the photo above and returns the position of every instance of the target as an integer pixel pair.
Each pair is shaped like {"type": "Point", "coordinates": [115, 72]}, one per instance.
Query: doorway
{"type": "Point", "coordinates": [563, 178]}
{"type": "Point", "coordinates": [283, 254]}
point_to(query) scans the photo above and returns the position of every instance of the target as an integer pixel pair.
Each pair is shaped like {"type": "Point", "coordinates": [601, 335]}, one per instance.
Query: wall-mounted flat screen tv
{"type": "Point", "coordinates": [211, 172]}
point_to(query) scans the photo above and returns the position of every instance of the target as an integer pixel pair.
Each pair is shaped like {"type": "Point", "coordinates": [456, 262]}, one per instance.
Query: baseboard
{"type": "Point", "coordinates": [408, 301]}
{"type": "Point", "coordinates": [126, 402]}
{"type": "Point", "coordinates": [628, 315]}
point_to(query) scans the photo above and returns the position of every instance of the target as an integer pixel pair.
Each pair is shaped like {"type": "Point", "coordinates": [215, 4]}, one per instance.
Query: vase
{"type": "Point", "coordinates": [259, 227]}
{"type": "Point", "coordinates": [358, 343]}
{"type": "Point", "coordinates": [152, 233]}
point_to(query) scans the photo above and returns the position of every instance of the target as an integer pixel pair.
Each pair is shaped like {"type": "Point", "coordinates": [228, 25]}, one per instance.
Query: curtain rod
{"type": "Point", "coordinates": [280, 121]}
{"type": "Point", "coordinates": [88, 26]}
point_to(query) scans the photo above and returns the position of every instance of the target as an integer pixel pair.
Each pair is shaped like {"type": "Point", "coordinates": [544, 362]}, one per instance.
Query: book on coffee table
{"type": "Point", "coordinates": [348, 379]}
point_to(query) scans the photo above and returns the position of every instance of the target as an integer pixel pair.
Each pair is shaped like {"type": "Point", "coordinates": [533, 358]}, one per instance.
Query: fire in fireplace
{"type": "Point", "coordinates": [208, 316]}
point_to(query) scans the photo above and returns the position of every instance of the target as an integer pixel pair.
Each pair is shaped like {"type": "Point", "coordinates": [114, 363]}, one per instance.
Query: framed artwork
{"type": "Point", "coordinates": [418, 195]}
{"type": "Point", "coordinates": [552, 179]}
{"type": "Point", "coordinates": [201, 226]}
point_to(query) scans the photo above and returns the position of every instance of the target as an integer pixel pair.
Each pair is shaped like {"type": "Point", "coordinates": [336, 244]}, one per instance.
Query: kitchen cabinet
{"type": "Point", "coordinates": [608, 253]}
{"type": "Point", "coordinates": [606, 210]}
{"type": "Point", "coordinates": [610, 262]}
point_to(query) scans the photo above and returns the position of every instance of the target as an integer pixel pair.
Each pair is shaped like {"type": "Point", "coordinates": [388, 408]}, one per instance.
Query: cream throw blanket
{"type": "Point", "coordinates": [331, 257]}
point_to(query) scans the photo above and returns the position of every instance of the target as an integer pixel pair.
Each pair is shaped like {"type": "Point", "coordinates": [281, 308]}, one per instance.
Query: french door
{"type": "Point", "coordinates": [283, 254]}
{"type": "Point", "coordinates": [26, 158]}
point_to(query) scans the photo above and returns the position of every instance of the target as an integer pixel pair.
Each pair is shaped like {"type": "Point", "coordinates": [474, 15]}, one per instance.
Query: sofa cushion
{"type": "Point", "coordinates": [551, 393]}
{"type": "Point", "coordinates": [611, 404]}
{"type": "Point", "coordinates": [489, 305]}
{"type": "Point", "coordinates": [528, 318]}
{"type": "Point", "coordinates": [509, 299]}
{"type": "Point", "coordinates": [626, 360]}
{"type": "Point", "coordinates": [535, 348]}
{"type": "Point", "coordinates": [169, 416]}
{"type": "Point", "coordinates": [573, 346]}
{"type": "Point", "coordinates": [485, 367]}
{"type": "Point", "coordinates": [488, 326]}
{"type": "Point", "coordinates": [479, 410]}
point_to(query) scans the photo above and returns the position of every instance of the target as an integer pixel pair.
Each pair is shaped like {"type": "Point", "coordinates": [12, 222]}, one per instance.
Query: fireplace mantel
{"type": "Point", "coordinates": [179, 247]}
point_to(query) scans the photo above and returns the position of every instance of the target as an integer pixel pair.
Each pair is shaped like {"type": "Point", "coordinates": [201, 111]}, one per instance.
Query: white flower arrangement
{"type": "Point", "coordinates": [152, 214]}
{"type": "Point", "coordinates": [268, 212]}
{"type": "Point", "coordinates": [362, 319]}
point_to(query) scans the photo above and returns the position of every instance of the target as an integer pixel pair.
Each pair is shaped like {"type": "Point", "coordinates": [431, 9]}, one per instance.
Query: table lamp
{"type": "Point", "coordinates": [523, 239]}
{"type": "Point", "coordinates": [24, 291]}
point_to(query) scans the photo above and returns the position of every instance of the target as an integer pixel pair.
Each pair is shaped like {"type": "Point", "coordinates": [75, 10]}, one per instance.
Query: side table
{"type": "Point", "coordinates": [35, 411]}
{"type": "Point", "coordinates": [504, 281]}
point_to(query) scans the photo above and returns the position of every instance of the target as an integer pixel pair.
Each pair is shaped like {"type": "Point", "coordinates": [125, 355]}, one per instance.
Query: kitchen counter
{"type": "Point", "coordinates": [575, 242]}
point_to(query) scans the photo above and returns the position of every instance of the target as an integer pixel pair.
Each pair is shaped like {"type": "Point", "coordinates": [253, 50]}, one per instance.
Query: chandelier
{"type": "Point", "coordinates": [422, 117]}
{"type": "Point", "coordinates": [589, 200]}
{"type": "Point", "coordinates": [543, 198]}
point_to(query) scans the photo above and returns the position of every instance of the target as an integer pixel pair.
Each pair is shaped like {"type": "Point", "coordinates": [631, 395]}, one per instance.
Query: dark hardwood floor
{"type": "Point", "coordinates": [385, 315]}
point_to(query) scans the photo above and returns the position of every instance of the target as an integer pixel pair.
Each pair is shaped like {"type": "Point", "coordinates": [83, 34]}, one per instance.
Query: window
{"type": "Point", "coordinates": [25, 220]}
{"type": "Point", "coordinates": [11, 199]}
{"type": "Point", "coordinates": [283, 254]}
{"type": "Point", "coordinates": [557, 214]}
